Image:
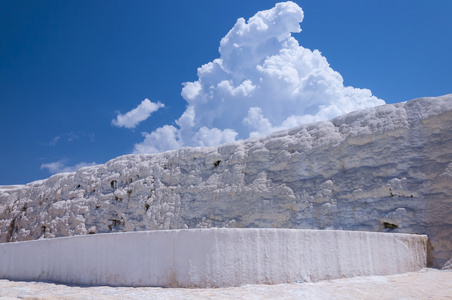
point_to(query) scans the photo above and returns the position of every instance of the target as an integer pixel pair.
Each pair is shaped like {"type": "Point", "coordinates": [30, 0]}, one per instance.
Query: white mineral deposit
{"type": "Point", "coordinates": [384, 169]}
{"type": "Point", "coordinates": [425, 284]}
{"type": "Point", "coordinates": [216, 257]}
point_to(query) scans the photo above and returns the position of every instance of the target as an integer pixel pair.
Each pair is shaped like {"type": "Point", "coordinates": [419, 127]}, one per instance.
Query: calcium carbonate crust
{"type": "Point", "coordinates": [387, 168]}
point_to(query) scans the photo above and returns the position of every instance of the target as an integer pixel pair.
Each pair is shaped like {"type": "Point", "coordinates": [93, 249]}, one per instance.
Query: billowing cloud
{"type": "Point", "coordinates": [263, 81]}
{"type": "Point", "coordinates": [140, 113]}
{"type": "Point", "coordinates": [61, 167]}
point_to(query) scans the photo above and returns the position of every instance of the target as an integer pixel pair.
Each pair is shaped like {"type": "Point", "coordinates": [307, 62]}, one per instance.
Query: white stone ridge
{"type": "Point", "coordinates": [387, 168]}
{"type": "Point", "coordinates": [219, 257]}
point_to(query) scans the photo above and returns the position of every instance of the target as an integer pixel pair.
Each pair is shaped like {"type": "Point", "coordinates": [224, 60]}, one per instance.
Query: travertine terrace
{"type": "Point", "coordinates": [387, 168]}
{"type": "Point", "coordinates": [213, 257]}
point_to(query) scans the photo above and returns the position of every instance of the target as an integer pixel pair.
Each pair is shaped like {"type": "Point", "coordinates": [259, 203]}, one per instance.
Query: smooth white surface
{"type": "Point", "coordinates": [212, 257]}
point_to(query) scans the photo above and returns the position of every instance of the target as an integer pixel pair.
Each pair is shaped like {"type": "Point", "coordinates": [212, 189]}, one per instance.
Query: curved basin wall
{"type": "Point", "coordinates": [212, 257]}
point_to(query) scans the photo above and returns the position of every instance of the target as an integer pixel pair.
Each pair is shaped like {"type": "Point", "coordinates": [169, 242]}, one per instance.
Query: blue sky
{"type": "Point", "coordinates": [68, 68]}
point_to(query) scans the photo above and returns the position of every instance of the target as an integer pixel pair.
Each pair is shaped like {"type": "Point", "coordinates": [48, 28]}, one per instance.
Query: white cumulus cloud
{"type": "Point", "coordinates": [140, 113]}
{"type": "Point", "coordinates": [61, 167]}
{"type": "Point", "coordinates": [263, 81]}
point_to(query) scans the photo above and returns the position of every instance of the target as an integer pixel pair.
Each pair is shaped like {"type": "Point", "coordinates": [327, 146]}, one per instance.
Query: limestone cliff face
{"type": "Point", "coordinates": [387, 168]}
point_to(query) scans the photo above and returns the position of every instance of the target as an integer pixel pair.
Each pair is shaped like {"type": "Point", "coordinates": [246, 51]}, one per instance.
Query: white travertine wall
{"type": "Point", "coordinates": [387, 168]}
{"type": "Point", "coordinates": [212, 257]}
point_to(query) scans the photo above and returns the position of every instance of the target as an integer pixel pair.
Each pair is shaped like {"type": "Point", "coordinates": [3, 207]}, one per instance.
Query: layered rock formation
{"type": "Point", "coordinates": [387, 168]}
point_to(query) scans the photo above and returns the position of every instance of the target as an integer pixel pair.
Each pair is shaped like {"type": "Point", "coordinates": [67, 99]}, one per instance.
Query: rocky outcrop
{"type": "Point", "coordinates": [387, 168]}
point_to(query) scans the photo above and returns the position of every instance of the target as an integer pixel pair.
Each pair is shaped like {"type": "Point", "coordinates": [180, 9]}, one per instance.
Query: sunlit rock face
{"type": "Point", "coordinates": [387, 168]}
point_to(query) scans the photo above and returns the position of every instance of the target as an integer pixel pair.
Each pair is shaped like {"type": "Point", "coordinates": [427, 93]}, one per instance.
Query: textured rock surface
{"type": "Point", "coordinates": [215, 257]}
{"type": "Point", "coordinates": [387, 168]}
